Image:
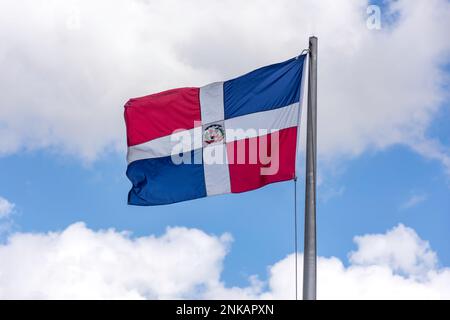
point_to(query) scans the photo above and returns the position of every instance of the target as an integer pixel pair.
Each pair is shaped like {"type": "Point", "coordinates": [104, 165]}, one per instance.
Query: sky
{"type": "Point", "coordinates": [383, 211]}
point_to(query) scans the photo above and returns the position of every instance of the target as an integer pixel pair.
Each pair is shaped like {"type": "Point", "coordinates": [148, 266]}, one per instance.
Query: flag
{"type": "Point", "coordinates": [225, 137]}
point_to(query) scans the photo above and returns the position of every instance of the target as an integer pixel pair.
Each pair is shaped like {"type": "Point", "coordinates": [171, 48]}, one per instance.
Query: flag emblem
{"type": "Point", "coordinates": [213, 133]}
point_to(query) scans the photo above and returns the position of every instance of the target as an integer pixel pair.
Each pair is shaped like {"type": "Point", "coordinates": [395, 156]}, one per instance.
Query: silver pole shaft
{"type": "Point", "coordinates": [310, 251]}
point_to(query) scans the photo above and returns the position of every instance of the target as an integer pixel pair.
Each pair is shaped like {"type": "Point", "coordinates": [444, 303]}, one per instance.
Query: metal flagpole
{"type": "Point", "coordinates": [310, 252]}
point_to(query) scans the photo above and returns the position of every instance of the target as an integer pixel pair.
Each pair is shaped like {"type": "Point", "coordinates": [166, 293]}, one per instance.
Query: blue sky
{"type": "Point", "coordinates": [56, 175]}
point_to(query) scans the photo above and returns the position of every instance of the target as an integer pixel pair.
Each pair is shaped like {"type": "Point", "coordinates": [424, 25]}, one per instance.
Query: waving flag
{"type": "Point", "coordinates": [225, 137]}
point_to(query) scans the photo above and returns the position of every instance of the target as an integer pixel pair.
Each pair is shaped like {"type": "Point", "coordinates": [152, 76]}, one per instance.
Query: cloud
{"type": "Point", "coordinates": [6, 208]}
{"type": "Point", "coordinates": [433, 150]}
{"type": "Point", "coordinates": [187, 263]}
{"type": "Point", "coordinates": [81, 263]}
{"type": "Point", "coordinates": [6, 213]}
{"type": "Point", "coordinates": [68, 67]}
{"type": "Point", "coordinates": [413, 201]}
{"type": "Point", "coordinates": [399, 249]}
{"type": "Point", "coordinates": [395, 265]}
{"type": "Point", "coordinates": [329, 192]}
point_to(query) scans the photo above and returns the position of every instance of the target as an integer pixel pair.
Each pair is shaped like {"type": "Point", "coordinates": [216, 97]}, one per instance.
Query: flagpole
{"type": "Point", "coordinates": [310, 251]}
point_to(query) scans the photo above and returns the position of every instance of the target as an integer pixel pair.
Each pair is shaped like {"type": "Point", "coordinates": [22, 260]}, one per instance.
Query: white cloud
{"type": "Point", "coordinates": [394, 265]}
{"type": "Point", "coordinates": [434, 150]}
{"type": "Point", "coordinates": [329, 192]}
{"type": "Point", "coordinates": [399, 249]}
{"type": "Point", "coordinates": [6, 208]}
{"type": "Point", "coordinates": [68, 67]}
{"type": "Point", "coordinates": [413, 201]}
{"type": "Point", "coordinates": [187, 263]}
{"type": "Point", "coordinates": [81, 263]}
{"type": "Point", "coordinates": [336, 281]}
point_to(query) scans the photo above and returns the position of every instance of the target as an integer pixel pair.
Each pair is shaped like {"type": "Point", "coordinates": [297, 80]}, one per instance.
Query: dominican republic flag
{"type": "Point", "coordinates": [226, 137]}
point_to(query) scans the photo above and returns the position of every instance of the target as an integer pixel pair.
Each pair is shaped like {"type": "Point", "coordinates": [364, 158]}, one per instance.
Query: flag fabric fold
{"type": "Point", "coordinates": [225, 137]}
